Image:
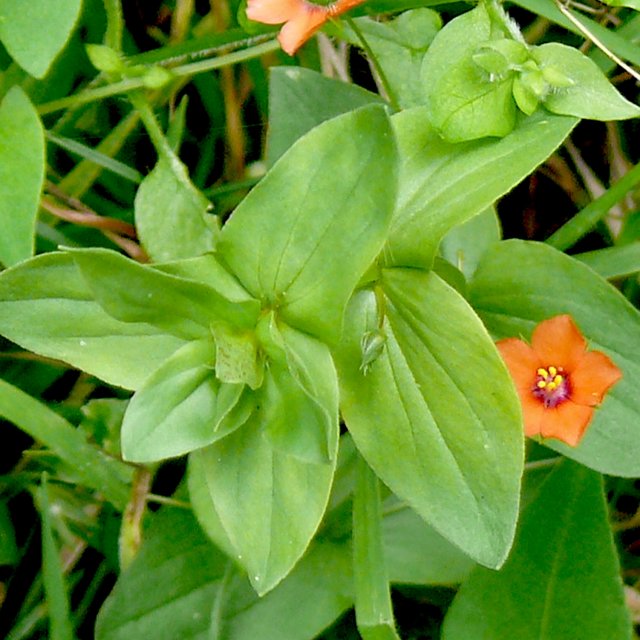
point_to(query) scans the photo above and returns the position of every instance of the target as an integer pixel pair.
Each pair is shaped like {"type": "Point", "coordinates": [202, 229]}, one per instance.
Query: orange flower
{"type": "Point", "coordinates": [559, 382]}
{"type": "Point", "coordinates": [302, 18]}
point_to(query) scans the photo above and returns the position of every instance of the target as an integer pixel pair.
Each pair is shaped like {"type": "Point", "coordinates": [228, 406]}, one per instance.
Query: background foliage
{"type": "Point", "coordinates": [249, 386]}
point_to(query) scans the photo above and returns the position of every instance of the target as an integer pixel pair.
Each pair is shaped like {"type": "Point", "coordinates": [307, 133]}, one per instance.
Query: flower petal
{"type": "Point", "coordinates": [559, 342]}
{"type": "Point", "coordinates": [273, 11]}
{"type": "Point", "coordinates": [533, 413]}
{"type": "Point", "coordinates": [593, 377]}
{"type": "Point", "coordinates": [522, 362]}
{"type": "Point", "coordinates": [301, 27]}
{"type": "Point", "coordinates": [566, 422]}
{"type": "Point", "coordinates": [339, 7]}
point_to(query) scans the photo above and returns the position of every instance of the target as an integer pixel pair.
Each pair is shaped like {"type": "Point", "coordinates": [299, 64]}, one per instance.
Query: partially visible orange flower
{"type": "Point", "coordinates": [302, 18]}
{"type": "Point", "coordinates": [559, 382]}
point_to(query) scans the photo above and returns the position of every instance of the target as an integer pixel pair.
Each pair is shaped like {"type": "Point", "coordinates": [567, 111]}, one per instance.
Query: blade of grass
{"type": "Point", "coordinates": [568, 234]}
{"type": "Point", "coordinates": [612, 40]}
{"type": "Point", "coordinates": [81, 178]}
{"type": "Point", "coordinates": [94, 156]}
{"type": "Point", "coordinates": [94, 470]}
{"type": "Point", "coordinates": [60, 627]}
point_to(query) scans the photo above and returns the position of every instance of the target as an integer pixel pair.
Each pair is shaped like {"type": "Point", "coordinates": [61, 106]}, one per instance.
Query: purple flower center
{"type": "Point", "coordinates": [551, 386]}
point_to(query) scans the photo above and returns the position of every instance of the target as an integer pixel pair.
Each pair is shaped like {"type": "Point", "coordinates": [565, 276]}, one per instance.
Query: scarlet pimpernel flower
{"type": "Point", "coordinates": [301, 17]}
{"type": "Point", "coordinates": [559, 382]}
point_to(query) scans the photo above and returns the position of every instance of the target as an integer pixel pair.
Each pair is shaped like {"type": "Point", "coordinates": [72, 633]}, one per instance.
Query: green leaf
{"type": "Point", "coordinates": [35, 37]}
{"type": "Point", "coordinates": [443, 435]}
{"type": "Point", "coordinates": [46, 307]}
{"type": "Point", "coordinates": [22, 160]}
{"type": "Point", "coordinates": [300, 394]}
{"type": "Point", "coordinates": [590, 95]}
{"type": "Point", "coordinates": [400, 45]}
{"type": "Point", "coordinates": [315, 594]}
{"type": "Point", "coordinates": [442, 185]}
{"type": "Point", "coordinates": [300, 99]}
{"type": "Point", "coordinates": [91, 468]}
{"type": "Point", "coordinates": [8, 546]}
{"type": "Point", "coordinates": [131, 292]}
{"type": "Point", "coordinates": [374, 614]}
{"type": "Point", "coordinates": [60, 625]}
{"type": "Point", "coordinates": [613, 262]}
{"type": "Point", "coordinates": [302, 238]}
{"type": "Point", "coordinates": [465, 244]}
{"type": "Point", "coordinates": [562, 579]}
{"type": "Point", "coordinates": [416, 553]}
{"type": "Point", "coordinates": [182, 407]}
{"type": "Point", "coordinates": [269, 503]}
{"type": "Point", "coordinates": [518, 284]}
{"type": "Point", "coordinates": [180, 573]}
{"type": "Point", "coordinates": [171, 214]}
{"type": "Point", "coordinates": [465, 102]}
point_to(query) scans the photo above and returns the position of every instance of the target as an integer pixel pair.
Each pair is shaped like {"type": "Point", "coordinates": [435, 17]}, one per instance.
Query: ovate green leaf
{"type": "Point", "coordinates": [47, 307]}
{"type": "Point", "coordinates": [300, 99]}
{"type": "Point", "coordinates": [590, 95]}
{"type": "Point", "coordinates": [436, 415]}
{"type": "Point", "coordinates": [300, 396]}
{"type": "Point", "coordinates": [269, 503]}
{"type": "Point", "coordinates": [562, 579]}
{"type": "Point", "coordinates": [441, 184]}
{"type": "Point", "coordinates": [169, 589]}
{"type": "Point", "coordinates": [181, 574]}
{"type": "Point", "coordinates": [518, 284]}
{"type": "Point", "coordinates": [303, 237]}
{"type": "Point", "coordinates": [34, 37]}
{"type": "Point", "coordinates": [466, 102]}
{"type": "Point", "coordinates": [181, 407]}
{"type": "Point", "coordinates": [132, 292]}
{"type": "Point", "coordinates": [21, 174]}
{"type": "Point", "coordinates": [171, 214]}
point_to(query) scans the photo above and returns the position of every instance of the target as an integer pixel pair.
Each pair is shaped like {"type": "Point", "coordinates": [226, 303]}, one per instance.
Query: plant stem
{"type": "Point", "coordinates": [499, 16]}
{"type": "Point", "coordinates": [152, 125]}
{"type": "Point", "coordinates": [130, 84]}
{"type": "Point", "coordinates": [374, 60]}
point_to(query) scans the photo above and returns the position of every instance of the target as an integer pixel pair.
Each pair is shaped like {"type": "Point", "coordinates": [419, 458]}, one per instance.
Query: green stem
{"type": "Point", "coordinates": [499, 16]}
{"type": "Point", "coordinates": [220, 600]}
{"type": "Point", "coordinates": [115, 24]}
{"type": "Point", "coordinates": [586, 219]}
{"type": "Point", "coordinates": [374, 614]}
{"type": "Point", "coordinates": [376, 63]}
{"type": "Point", "coordinates": [186, 70]}
{"type": "Point", "coordinates": [151, 124]}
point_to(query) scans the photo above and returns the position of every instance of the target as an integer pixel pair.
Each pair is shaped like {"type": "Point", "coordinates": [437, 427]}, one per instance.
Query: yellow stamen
{"type": "Point", "coordinates": [543, 372]}
{"type": "Point", "coordinates": [552, 371]}
{"type": "Point", "coordinates": [551, 386]}
{"type": "Point", "coordinates": [558, 380]}
{"type": "Point", "coordinates": [541, 384]}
